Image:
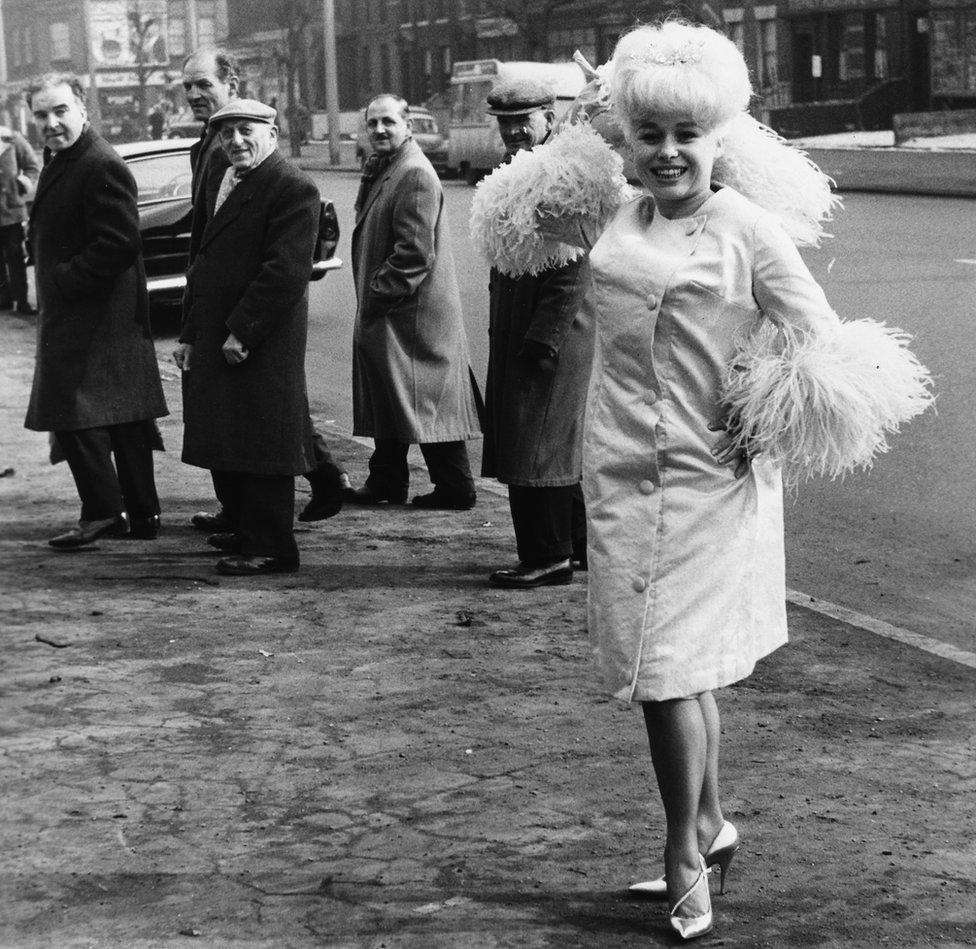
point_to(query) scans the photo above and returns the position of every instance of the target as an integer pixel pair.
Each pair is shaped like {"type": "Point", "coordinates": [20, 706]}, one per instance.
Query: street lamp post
{"type": "Point", "coordinates": [331, 78]}
{"type": "Point", "coordinates": [94, 105]}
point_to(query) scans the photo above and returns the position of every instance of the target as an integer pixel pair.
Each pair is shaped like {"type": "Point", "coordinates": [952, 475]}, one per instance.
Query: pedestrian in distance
{"type": "Point", "coordinates": [210, 82]}
{"type": "Point", "coordinates": [719, 365]}
{"type": "Point", "coordinates": [96, 380]}
{"type": "Point", "coordinates": [539, 360]}
{"type": "Point", "coordinates": [19, 172]}
{"type": "Point", "coordinates": [242, 343]}
{"type": "Point", "coordinates": [412, 382]}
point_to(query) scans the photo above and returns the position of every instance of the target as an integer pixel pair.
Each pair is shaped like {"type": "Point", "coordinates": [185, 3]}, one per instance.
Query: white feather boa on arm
{"type": "Point", "coordinates": [812, 393]}
{"type": "Point", "coordinates": [535, 212]}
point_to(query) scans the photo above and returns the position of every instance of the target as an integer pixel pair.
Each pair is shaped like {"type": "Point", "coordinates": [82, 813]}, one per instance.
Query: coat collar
{"type": "Point", "coordinates": [409, 147]}
{"type": "Point", "coordinates": [237, 200]}
{"type": "Point", "coordinates": [56, 163]}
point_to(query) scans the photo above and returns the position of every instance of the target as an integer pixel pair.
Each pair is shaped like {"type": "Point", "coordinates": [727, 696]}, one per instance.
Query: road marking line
{"type": "Point", "coordinates": [881, 628]}
{"type": "Point", "coordinates": [964, 261]}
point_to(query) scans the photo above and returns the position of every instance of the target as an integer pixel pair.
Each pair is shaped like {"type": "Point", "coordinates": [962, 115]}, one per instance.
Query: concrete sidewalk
{"type": "Point", "coordinates": [382, 751]}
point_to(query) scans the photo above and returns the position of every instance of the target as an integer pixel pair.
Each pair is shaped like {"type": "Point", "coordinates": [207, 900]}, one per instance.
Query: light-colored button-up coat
{"type": "Point", "coordinates": [686, 566]}
{"type": "Point", "coordinates": [411, 377]}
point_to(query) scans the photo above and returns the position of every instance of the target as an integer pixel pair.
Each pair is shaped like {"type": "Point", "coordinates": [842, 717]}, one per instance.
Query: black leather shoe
{"type": "Point", "coordinates": [321, 506]}
{"type": "Point", "coordinates": [251, 566]}
{"type": "Point", "coordinates": [226, 541]}
{"type": "Point", "coordinates": [218, 523]}
{"type": "Point", "coordinates": [524, 577]}
{"type": "Point", "coordinates": [442, 501]}
{"type": "Point", "coordinates": [144, 528]}
{"type": "Point", "coordinates": [87, 532]}
{"type": "Point", "coordinates": [366, 496]}
{"type": "Point", "coordinates": [25, 309]}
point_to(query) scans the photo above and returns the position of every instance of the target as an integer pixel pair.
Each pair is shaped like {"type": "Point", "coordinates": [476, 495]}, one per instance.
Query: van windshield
{"type": "Point", "coordinates": [468, 107]}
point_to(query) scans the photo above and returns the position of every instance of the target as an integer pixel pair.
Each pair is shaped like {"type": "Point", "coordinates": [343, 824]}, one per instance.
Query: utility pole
{"type": "Point", "coordinates": [192, 31]}
{"type": "Point", "coordinates": [94, 106]}
{"type": "Point", "coordinates": [331, 78]}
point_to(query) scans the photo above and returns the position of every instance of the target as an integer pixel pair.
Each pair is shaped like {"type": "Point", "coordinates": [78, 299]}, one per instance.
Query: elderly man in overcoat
{"type": "Point", "coordinates": [210, 82]}
{"type": "Point", "coordinates": [19, 171]}
{"type": "Point", "coordinates": [539, 362]}
{"type": "Point", "coordinates": [96, 379]}
{"type": "Point", "coordinates": [412, 381]}
{"type": "Point", "coordinates": [242, 345]}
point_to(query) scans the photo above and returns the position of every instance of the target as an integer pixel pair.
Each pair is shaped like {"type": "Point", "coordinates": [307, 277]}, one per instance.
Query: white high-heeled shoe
{"type": "Point", "coordinates": [720, 854]}
{"type": "Point", "coordinates": [691, 927]}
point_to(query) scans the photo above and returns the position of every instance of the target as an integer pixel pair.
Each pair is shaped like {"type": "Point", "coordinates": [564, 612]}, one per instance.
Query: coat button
{"type": "Point", "coordinates": [651, 302]}
{"type": "Point", "coordinates": [651, 397]}
{"type": "Point", "coordinates": [646, 487]}
{"type": "Point", "coordinates": [640, 584]}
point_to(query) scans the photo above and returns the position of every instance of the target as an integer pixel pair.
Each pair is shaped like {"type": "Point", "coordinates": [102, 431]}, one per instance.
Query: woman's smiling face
{"type": "Point", "coordinates": [674, 156]}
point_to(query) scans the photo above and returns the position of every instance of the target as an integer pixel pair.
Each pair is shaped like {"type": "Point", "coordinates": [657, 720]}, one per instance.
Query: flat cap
{"type": "Point", "coordinates": [520, 96]}
{"type": "Point", "coordinates": [249, 109]}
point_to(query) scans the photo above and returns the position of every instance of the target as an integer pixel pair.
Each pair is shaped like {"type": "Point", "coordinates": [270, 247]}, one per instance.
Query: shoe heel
{"type": "Point", "coordinates": [722, 859]}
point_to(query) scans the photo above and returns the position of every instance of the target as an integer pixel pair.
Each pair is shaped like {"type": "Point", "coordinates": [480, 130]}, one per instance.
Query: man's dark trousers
{"type": "Point", "coordinates": [262, 510]}
{"type": "Point", "coordinates": [13, 272]}
{"type": "Point", "coordinates": [550, 523]}
{"type": "Point", "coordinates": [447, 465]}
{"type": "Point", "coordinates": [105, 488]}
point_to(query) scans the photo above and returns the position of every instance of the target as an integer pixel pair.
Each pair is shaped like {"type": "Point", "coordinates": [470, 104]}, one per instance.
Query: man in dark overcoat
{"type": "Point", "coordinates": [242, 344]}
{"type": "Point", "coordinates": [539, 362]}
{"type": "Point", "coordinates": [96, 379]}
{"type": "Point", "coordinates": [210, 82]}
{"type": "Point", "coordinates": [412, 381]}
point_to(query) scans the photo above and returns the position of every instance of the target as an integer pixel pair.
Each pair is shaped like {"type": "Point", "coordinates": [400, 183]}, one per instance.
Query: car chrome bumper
{"type": "Point", "coordinates": [174, 285]}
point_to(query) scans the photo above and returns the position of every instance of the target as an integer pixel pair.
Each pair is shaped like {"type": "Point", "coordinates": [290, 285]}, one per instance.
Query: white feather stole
{"type": "Point", "coordinates": [531, 214]}
{"type": "Point", "coordinates": [823, 404]}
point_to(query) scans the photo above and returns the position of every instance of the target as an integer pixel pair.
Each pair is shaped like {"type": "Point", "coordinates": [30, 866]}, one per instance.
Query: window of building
{"type": "Point", "coordinates": [28, 44]}
{"type": "Point", "coordinates": [176, 35]}
{"type": "Point", "coordinates": [767, 66]}
{"type": "Point", "coordinates": [206, 31]}
{"type": "Point", "coordinates": [879, 45]}
{"type": "Point", "coordinates": [850, 62]}
{"type": "Point", "coordinates": [428, 63]}
{"type": "Point", "coordinates": [446, 63]}
{"type": "Point", "coordinates": [563, 43]}
{"type": "Point", "coordinates": [60, 41]}
{"type": "Point", "coordinates": [385, 80]}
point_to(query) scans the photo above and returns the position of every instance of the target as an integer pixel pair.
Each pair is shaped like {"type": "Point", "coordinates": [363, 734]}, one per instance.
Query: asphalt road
{"type": "Point", "coordinates": [896, 543]}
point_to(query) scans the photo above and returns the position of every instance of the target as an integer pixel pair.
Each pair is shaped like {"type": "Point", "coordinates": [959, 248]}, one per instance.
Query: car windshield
{"type": "Point", "coordinates": [162, 177]}
{"type": "Point", "coordinates": [424, 126]}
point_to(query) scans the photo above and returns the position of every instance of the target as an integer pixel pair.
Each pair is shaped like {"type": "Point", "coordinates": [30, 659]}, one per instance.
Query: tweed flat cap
{"type": "Point", "coordinates": [520, 96]}
{"type": "Point", "coordinates": [248, 109]}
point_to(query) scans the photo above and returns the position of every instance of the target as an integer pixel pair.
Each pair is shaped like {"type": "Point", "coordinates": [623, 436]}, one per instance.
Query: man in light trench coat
{"type": "Point", "coordinates": [540, 356]}
{"type": "Point", "coordinates": [242, 344]}
{"type": "Point", "coordinates": [412, 382]}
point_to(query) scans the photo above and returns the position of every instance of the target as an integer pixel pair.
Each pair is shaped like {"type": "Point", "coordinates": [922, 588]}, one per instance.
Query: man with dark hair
{"type": "Point", "coordinates": [412, 382]}
{"type": "Point", "coordinates": [539, 361]}
{"type": "Point", "coordinates": [210, 82]}
{"type": "Point", "coordinates": [96, 380]}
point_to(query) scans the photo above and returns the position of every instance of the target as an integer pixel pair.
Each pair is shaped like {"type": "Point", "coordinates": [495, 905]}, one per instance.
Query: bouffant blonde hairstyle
{"type": "Point", "coordinates": [677, 67]}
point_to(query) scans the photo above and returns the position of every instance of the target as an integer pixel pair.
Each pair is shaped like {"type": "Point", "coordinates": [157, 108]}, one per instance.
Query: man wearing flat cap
{"type": "Point", "coordinates": [242, 344]}
{"type": "Point", "coordinates": [539, 360]}
{"type": "Point", "coordinates": [210, 82]}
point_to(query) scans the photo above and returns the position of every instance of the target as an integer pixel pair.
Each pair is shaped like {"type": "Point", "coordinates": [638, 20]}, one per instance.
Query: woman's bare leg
{"type": "Point", "coordinates": [679, 748]}
{"type": "Point", "coordinates": [710, 817]}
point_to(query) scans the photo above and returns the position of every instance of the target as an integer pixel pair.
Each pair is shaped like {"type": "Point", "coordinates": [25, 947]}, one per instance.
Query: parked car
{"type": "Point", "coordinates": [425, 133]}
{"type": "Point", "coordinates": [162, 172]}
